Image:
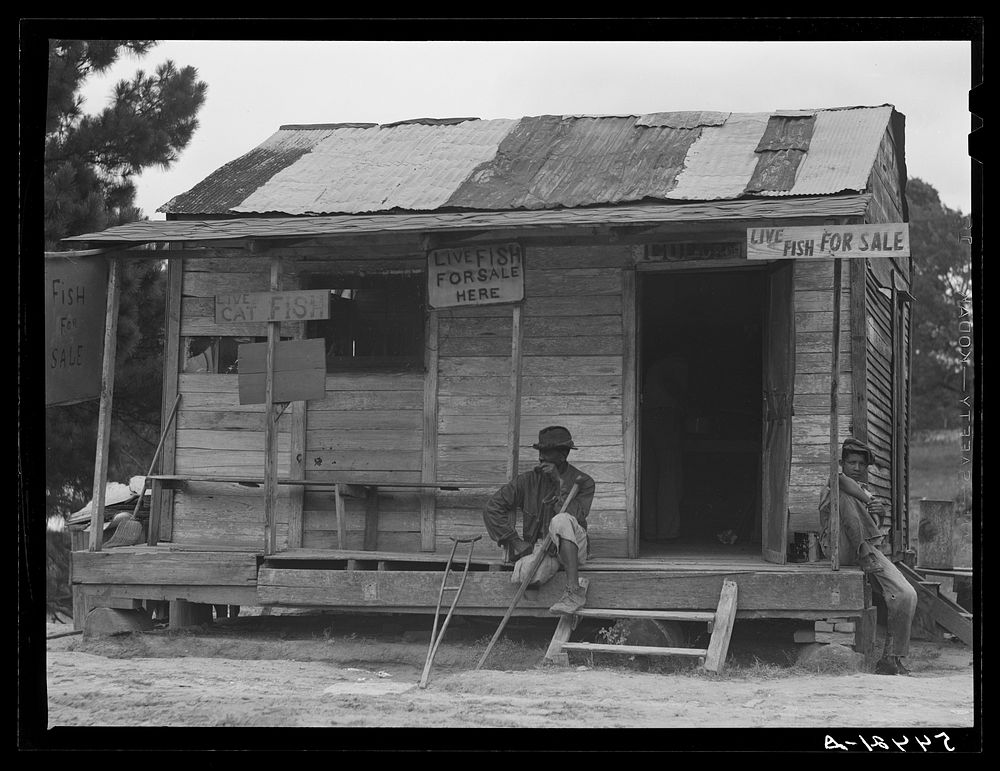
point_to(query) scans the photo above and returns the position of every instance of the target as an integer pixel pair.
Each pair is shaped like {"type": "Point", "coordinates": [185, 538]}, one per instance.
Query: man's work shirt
{"type": "Point", "coordinates": [536, 497]}
{"type": "Point", "coordinates": [856, 525]}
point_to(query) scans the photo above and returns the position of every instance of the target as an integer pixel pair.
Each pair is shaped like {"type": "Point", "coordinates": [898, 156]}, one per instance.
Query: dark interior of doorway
{"type": "Point", "coordinates": [701, 360]}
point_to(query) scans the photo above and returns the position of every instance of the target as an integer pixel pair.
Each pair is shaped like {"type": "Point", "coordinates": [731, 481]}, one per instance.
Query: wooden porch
{"type": "Point", "coordinates": [672, 577]}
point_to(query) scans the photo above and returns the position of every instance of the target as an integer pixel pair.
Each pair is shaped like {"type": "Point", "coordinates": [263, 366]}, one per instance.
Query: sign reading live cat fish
{"type": "Point", "coordinates": [296, 305]}
{"type": "Point", "coordinates": [475, 275]}
{"type": "Point", "coordinates": [828, 241]}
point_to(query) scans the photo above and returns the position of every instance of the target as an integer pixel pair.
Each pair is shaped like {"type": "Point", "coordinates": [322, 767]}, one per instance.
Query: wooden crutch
{"type": "Point", "coordinates": [531, 574]}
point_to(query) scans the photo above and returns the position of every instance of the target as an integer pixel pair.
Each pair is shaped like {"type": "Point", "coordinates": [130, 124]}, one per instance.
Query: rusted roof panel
{"type": "Point", "coordinates": [550, 161]}
{"type": "Point", "coordinates": [787, 133]}
{"type": "Point", "coordinates": [149, 231]}
{"type": "Point", "coordinates": [780, 151]}
{"type": "Point", "coordinates": [554, 161]}
{"type": "Point", "coordinates": [775, 171]}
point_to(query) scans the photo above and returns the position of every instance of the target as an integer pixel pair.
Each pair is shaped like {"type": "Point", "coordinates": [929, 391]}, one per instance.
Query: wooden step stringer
{"type": "Point", "coordinates": [713, 658]}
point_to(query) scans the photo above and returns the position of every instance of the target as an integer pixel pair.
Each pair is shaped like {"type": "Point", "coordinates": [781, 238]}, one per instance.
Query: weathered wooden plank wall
{"type": "Point", "coordinates": [367, 429]}
{"type": "Point", "coordinates": [571, 376]}
{"type": "Point", "coordinates": [813, 303]}
{"type": "Point", "coordinates": [215, 434]}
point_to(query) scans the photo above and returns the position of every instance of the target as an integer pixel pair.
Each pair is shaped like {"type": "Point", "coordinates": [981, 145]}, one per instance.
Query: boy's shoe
{"type": "Point", "coordinates": [901, 667]}
{"type": "Point", "coordinates": [888, 665]}
{"type": "Point", "coordinates": [571, 601]}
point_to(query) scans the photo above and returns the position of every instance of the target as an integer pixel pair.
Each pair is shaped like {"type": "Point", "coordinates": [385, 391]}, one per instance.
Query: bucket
{"type": "Point", "coordinates": [803, 548]}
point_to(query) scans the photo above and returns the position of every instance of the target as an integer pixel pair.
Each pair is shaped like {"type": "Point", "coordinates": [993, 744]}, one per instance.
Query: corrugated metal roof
{"type": "Point", "coordinates": [681, 120]}
{"type": "Point", "coordinates": [722, 161]}
{"type": "Point", "coordinates": [147, 231]}
{"type": "Point", "coordinates": [552, 161]}
{"type": "Point", "coordinates": [543, 162]}
{"type": "Point", "coordinates": [226, 188]}
{"type": "Point", "coordinates": [842, 151]}
{"type": "Point", "coordinates": [410, 166]}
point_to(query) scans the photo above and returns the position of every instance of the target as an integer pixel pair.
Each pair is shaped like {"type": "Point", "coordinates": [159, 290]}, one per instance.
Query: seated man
{"type": "Point", "coordinates": [861, 516]}
{"type": "Point", "coordinates": [537, 497]}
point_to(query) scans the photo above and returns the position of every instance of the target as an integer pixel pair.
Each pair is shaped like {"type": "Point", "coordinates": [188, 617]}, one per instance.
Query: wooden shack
{"type": "Point", "coordinates": [488, 278]}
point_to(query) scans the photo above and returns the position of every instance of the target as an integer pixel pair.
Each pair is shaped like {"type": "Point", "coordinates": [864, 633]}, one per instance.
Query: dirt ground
{"type": "Point", "coordinates": [363, 671]}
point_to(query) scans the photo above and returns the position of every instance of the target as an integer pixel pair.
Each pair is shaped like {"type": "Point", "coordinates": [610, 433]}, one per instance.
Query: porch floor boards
{"type": "Point", "coordinates": [672, 557]}
{"type": "Point", "coordinates": [384, 581]}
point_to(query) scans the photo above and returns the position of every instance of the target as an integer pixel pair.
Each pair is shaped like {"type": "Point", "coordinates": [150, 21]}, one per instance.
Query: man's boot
{"type": "Point", "coordinates": [571, 601]}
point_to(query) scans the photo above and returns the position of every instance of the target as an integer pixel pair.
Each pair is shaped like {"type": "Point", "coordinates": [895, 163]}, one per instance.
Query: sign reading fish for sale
{"type": "Point", "coordinates": [76, 292]}
{"type": "Point", "coordinates": [829, 241]}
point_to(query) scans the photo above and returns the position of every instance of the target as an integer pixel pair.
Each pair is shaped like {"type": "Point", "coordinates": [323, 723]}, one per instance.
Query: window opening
{"type": "Point", "coordinates": [376, 322]}
{"type": "Point", "coordinates": [215, 355]}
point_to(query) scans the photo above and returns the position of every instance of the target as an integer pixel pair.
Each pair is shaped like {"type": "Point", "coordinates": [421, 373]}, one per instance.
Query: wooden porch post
{"type": "Point", "coordinates": [514, 418]}
{"type": "Point", "coordinates": [162, 503]}
{"type": "Point", "coordinates": [104, 413]}
{"type": "Point", "coordinates": [428, 462]}
{"type": "Point", "coordinates": [270, 426]}
{"type": "Point", "coordinates": [630, 408]}
{"type": "Point", "coordinates": [834, 439]}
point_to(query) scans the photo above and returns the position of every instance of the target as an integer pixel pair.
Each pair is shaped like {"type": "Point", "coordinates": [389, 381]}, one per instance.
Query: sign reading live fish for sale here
{"type": "Point", "coordinates": [827, 241]}
{"type": "Point", "coordinates": [483, 274]}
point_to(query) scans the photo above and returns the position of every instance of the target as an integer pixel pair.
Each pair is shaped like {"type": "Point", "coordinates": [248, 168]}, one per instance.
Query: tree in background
{"type": "Point", "coordinates": [942, 287]}
{"type": "Point", "coordinates": [90, 164]}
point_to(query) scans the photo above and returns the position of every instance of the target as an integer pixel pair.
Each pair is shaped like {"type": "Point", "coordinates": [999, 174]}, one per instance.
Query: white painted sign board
{"type": "Point", "coordinates": [829, 241]}
{"type": "Point", "coordinates": [484, 274]}
{"type": "Point", "coordinates": [296, 305]}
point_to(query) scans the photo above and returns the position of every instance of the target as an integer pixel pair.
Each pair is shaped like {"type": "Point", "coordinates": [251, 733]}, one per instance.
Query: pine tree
{"type": "Point", "coordinates": [90, 163]}
{"type": "Point", "coordinates": [942, 282]}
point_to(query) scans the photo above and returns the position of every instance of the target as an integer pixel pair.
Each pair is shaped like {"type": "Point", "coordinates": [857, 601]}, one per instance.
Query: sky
{"type": "Point", "coordinates": [256, 86]}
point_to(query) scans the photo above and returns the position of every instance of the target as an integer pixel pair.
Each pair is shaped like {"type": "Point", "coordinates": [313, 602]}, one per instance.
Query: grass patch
{"type": "Point", "coordinates": [935, 469]}
{"type": "Point", "coordinates": [506, 655]}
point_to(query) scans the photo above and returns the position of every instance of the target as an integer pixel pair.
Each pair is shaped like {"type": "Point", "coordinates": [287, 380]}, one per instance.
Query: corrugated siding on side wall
{"type": "Point", "coordinates": [571, 375]}
{"type": "Point", "coordinates": [888, 205]}
{"type": "Point", "coordinates": [813, 353]}
{"type": "Point", "coordinates": [880, 389]}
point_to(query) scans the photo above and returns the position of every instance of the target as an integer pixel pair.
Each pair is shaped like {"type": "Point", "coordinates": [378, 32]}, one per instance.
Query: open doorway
{"type": "Point", "coordinates": [700, 379]}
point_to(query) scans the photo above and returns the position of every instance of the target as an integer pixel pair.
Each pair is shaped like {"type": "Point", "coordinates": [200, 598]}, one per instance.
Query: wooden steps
{"type": "Point", "coordinates": [644, 650]}
{"type": "Point", "coordinates": [720, 624]}
{"type": "Point", "coordinates": [703, 616]}
{"type": "Point", "coordinates": [947, 614]}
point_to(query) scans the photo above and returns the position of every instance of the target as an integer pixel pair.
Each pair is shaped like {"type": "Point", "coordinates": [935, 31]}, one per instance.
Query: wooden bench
{"type": "Point", "coordinates": [366, 491]}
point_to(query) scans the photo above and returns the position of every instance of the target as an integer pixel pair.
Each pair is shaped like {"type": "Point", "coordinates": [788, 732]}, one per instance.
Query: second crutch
{"type": "Point", "coordinates": [435, 635]}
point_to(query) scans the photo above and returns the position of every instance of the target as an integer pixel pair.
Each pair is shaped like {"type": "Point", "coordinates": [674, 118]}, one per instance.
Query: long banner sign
{"type": "Point", "coordinates": [829, 241]}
